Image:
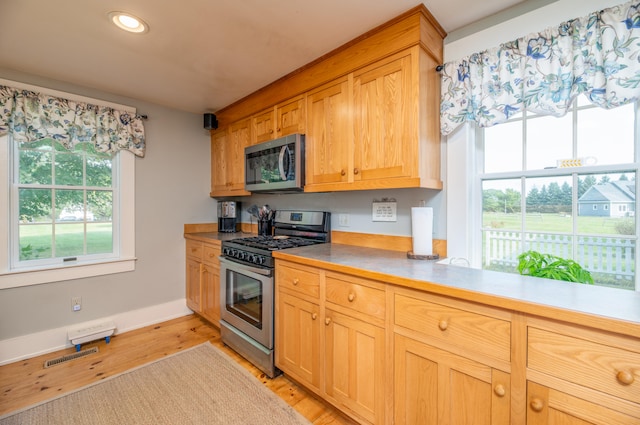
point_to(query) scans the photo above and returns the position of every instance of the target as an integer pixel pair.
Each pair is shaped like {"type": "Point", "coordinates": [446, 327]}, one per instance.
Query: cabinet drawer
{"type": "Point", "coordinates": [603, 367]}
{"type": "Point", "coordinates": [298, 280]}
{"type": "Point", "coordinates": [194, 249]}
{"type": "Point", "coordinates": [361, 298]}
{"type": "Point", "coordinates": [472, 332]}
{"type": "Point", "coordinates": [210, 254]}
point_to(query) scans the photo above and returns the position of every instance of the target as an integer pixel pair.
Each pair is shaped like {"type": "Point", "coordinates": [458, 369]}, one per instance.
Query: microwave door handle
{"type": "Point", "coordinates": [283, 151]}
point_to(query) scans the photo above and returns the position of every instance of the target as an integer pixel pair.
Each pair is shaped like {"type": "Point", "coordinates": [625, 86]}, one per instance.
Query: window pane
{"type": "Point", "coordinates": [503, 147]}
{"type": "Point", "coordinates": [501, 204]}
{"type": "Point", "coordinates": [70, 205]}
{"type": "Point", "coordinates": [68, 170]}
{"type": "Point", "coordinates": [35, 205]}
{"type": "Point", "coordinates": [99, 205]}
{"type": "Point", "coordinates": [99, 171]}
{"type": "Point", "coordinates": [99, 238]}
{"type": "Point", "coordinates": [549, 204]}
{"type": "Point", "coordinates": [35, 241]}
{"type": "Point", "coordinates": [35, 167]}
{"type": "Point", "coordinates": [69, 240]}
{"type": "Point", "coordinates": [611, 143]}
{"type": "Point", "coordinates": [548, 139]}
{"type": "Point", "coordinates": [606, 204]}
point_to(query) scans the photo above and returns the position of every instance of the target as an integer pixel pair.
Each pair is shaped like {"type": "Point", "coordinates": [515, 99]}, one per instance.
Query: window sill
{"type": "Point", "coordinates": [36, 277]}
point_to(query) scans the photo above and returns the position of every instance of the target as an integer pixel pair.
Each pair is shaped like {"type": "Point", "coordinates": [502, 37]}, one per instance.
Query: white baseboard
{"type": "Point", "coordinates": [36, 344]}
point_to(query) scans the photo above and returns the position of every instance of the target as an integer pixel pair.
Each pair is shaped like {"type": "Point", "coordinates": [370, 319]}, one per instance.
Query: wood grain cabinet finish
{"type": "Point", "coordinates": [581, 373]}
{"type": "Point", "coordinates": [399, 354]}
{"type": "Point", "coordinates": [203, 279]}
{"type": "Point", "coordinates": [328, 339]}
{"type": "Point", "coordinates": [227, 159]}
{"type": "Point", "coordinates": [285, 118]}
{"type": "Point", "coordinates": [369, 109]}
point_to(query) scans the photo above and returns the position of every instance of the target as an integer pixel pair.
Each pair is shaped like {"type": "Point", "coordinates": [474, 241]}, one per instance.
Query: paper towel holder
{"type": "Point", "coordinates": [412, 256]}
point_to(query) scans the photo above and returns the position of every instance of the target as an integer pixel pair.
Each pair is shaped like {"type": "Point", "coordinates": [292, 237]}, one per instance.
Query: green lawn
{"type": "Point", "coordinates": [36, 240]}
{"type": "Point", "coordinates": [552, 223]}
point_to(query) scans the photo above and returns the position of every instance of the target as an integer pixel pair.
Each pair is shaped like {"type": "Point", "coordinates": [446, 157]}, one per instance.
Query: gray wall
{"type": "Point", "coordinates": [172, 187]}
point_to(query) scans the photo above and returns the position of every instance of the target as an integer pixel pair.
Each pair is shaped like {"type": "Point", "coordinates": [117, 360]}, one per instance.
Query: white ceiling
{"type": "Point", "coordinates": [199, 55]}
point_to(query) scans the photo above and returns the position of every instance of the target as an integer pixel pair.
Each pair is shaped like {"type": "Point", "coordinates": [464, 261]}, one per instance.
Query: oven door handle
{"type": "Point", "coordinates": [264, 272]}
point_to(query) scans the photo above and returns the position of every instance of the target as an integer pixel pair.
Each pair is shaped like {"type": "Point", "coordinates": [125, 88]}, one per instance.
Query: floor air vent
{"type": "Point", "coordinates": [69, 357]}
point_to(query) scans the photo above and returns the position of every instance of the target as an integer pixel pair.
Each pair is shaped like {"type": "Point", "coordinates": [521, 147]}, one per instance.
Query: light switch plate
{"type": "Point", "coordinates": [384, 211]}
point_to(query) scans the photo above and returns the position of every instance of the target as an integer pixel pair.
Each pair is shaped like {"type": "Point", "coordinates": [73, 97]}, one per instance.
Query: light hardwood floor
{"type": "Point", "coordinates": [27, 382]}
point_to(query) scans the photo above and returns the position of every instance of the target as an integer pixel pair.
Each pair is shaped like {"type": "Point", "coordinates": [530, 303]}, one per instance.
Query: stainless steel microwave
{"type": "Point", "coordinates": [276, 165]}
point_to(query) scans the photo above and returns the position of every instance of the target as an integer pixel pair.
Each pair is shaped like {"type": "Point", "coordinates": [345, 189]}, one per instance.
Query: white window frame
{"type": "Point", "coordinates": [125, 179]}
{"type": "Point", "coordinates": [475, 178]}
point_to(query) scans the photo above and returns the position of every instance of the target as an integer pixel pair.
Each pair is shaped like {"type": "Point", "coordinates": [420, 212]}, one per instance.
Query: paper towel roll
{"type": "Point", "coordinates": [422, 230]}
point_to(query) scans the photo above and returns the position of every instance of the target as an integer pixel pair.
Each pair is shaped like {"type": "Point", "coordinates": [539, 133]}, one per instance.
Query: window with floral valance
{"type": "Point", "coordinates": [596, 55]}
{"type": "Point", "coordinates": [29, 116]}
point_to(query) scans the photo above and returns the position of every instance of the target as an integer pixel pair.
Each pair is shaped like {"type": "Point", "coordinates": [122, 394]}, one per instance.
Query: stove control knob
{"type": "Point", "coordinates": [259, 259]}
{"type": "Point", "coordinates": [251, 258]}
{"type": "Point", "coordinates": [242, 255]}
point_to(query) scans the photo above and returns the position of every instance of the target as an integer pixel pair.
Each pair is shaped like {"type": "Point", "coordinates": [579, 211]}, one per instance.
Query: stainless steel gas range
{"type": "Point", "coordinates": [247, 283]}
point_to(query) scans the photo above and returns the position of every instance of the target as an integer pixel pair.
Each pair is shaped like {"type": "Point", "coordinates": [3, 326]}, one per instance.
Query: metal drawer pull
{"type": "Point", "coordinates": [625, 377]}
{"type": "Point", "coordinates": [536, 405]}
{"type": "Point", "coordinates": [499, 390]}
{"type": "Point", "coordinates": [351, 297]}
{"type": "Point", "coordinates": [443, 325]}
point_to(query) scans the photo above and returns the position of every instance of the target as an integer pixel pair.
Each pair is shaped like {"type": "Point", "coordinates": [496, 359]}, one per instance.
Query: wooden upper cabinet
{"type": "Point", "coordinates": [227, 159]}
{"type": "Point", "coordinates": [328, 140]}
{"type": "Point", "coordinates": [385, 122]}
{"type": "Point", "coordinates": [377, 128]}
{"type": "Point", "coordinates": [281, 120]}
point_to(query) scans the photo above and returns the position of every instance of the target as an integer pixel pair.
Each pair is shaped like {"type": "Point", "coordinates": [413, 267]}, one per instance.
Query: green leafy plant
{"type": "Point", "coordinates": [533, 263]}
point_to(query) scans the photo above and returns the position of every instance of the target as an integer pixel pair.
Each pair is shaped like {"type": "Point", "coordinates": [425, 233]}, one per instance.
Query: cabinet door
{"type": "Point", "coordinates": [435, 387]}
{"type": "Point", "coordinates": [328, 141]}
{"type": "Point", "coordinates": [219, 151]}
{"type": "Point", "coordinates": [263, 126]}
{"type": "Point", "coordinates": [548, 406]}
{"type": "Point", "coordinates": [290, 117]}
{"type": "Point", "coordinates": [239, 138]}
{"type": "Point", "coordinates": [211, 293]}
{"type": "Point", "coordinates": [355, 375]}
{"type": "Point", "coordinates": [297, 337]}
{"type": "Point", "coordinates": [193, 284]}
{"type": "Point", "coordinates": [385, 115]}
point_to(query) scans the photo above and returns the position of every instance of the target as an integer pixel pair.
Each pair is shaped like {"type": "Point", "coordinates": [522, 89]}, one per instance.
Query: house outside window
{"type": "Point", "coordinates": [551, 185]}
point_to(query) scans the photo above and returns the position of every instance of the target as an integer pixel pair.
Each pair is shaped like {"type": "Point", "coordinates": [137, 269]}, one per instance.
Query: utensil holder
{"type": "Point", "coordinates": [265, 227]}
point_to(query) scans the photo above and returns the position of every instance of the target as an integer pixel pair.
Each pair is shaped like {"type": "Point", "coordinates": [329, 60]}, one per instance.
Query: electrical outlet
{"type": "Point", "coordinates": [76, 303]}
{"type": "Point", "coordinates": [343, 220]}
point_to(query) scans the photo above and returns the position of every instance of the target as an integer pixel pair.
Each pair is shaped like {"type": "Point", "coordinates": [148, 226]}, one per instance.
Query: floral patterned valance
{"type": "Point", "coordinates": [31, 116]}
{"type": "Point", "coordinates": [597, 55]}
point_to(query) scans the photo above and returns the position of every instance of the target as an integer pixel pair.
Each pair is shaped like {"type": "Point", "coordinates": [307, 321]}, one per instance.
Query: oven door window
{"type": "Point", "coordinates": [244, 297]}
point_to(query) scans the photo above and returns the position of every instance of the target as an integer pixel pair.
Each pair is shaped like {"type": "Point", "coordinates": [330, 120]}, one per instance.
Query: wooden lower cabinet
{"type": "Point", "coordinates": [355, 365]}
{"type": "Point", "coordinates": [549, 406]}
{"type": "Point", "coordinates": [435, 387]}
{"type": "Point", "coordinates": [387, 354]}
{"type": "Point", "coordinates": [193, 284]}
{"type": "Point", "coordinates": [203, 279]}
{"type": "Point", "coordinates": [298, 328]}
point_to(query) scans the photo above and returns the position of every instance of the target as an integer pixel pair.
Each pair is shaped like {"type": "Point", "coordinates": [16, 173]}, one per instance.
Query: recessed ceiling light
{"type": "Point", "coordinates": [128, 22]}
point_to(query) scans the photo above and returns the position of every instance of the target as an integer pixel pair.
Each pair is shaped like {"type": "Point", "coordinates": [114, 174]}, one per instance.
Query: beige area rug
{"type": "Point", "coordinates": [201, 385]}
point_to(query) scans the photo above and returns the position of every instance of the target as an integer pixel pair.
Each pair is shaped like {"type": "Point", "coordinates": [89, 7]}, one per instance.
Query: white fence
{"type": "Point", "coordinates": [612, 256]}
